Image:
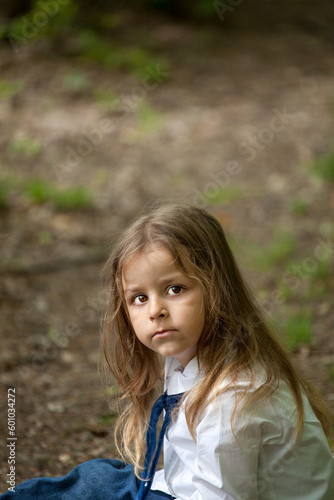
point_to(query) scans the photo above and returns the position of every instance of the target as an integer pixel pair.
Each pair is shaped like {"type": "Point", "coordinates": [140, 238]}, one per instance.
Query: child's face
{"type": "Point", "coordinates": [165, 306]}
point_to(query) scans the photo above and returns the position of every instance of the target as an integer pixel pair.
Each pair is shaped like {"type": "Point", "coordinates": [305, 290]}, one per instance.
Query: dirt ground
{"type": "Point", "coordinates": [263, 100]}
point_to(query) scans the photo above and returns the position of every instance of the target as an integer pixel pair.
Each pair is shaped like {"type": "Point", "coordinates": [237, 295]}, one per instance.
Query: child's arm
{"type": "Point", "coordinates": [215, 467]}
{"type": "Point", "coordinates": [223, 469]}
{"type": "Point", "coordinates": [263, 463]}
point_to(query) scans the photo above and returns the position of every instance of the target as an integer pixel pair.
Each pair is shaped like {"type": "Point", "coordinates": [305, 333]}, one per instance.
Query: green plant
{"type": "Point", "coordinates": [297, 330]}
{"type": "Point", "coordinates": [309, 283]}
{"type": "Point", "coordinates": [276, 252]}
{"type": "Point", "coordinates": [30, 27]}
{"type": "Point", "coordinates": [299, 206]}
{"type": "Point", "coordinates": [73, 198]}
{"type": "Point", "coordinates": [322, 271]}
{"type": "Point", "coordinates": [76, 81]}
{"type": "Point", "coordinates": [204, 9]}
{"type": "Point", "coordinates": [106, 99]}
{"type": "Point", "coordinates": [64, 199]}
{"type": "Point", "coordinates": [323, 167]}
{"type": "Point", "coordinates": [27, 146]}
{"type": "Point", "coordinates": [148, 118]}
{"type": "Point", "coordinates": [10, 89]}
{"type": "Point", "coordinates": [108, 419]}
{"type": "Point", "coordinates": [223, 195]}
{"type": "Point", "coordinates": [285, 291]}
{"type": "Point", "coordinates": [280, 248]}
{"type": "Point", "coordinates": [38, 190]}
{"type": "Point", "coordinates": [136, 57]}
{"type": "Point", "coordinates": [163, 73]}
{"type": "Point", "coordinates": [97, 49]}
{"type": "Point", "coordinates": [111, 390]}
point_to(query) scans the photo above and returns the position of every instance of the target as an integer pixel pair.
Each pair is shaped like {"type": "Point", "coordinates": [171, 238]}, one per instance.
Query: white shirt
{"type": "Point", "coordinates": [265, 467]}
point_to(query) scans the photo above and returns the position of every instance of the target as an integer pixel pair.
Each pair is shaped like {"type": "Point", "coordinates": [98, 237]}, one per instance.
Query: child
{"type": "Point", "coordinates": [245, 426]}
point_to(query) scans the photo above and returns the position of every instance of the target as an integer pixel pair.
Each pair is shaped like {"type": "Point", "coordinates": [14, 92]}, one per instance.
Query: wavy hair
{"type": "Point", "coordinates": [235, 334]}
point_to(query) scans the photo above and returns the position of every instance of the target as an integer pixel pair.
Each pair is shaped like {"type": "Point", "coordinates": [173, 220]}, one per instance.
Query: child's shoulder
{"type": "Point", "coordinates": [257, 397]}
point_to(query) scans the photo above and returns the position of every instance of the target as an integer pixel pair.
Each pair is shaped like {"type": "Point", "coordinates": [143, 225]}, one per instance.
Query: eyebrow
{"type": "Point", "coordinates": [164, 281]}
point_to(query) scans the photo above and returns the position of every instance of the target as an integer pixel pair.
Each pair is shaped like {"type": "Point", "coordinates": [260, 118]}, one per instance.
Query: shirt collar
{"type": "Point", "coordinates": [179, 379]}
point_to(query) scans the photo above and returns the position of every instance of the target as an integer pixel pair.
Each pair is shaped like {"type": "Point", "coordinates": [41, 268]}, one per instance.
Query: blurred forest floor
{"type": "Point", "coordinates": [261, 98]}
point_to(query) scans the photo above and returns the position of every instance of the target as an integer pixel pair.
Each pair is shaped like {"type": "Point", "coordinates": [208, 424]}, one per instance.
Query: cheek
{"type": "Point", "coordinates": [194, 312]}
{"type": "Point", "coordinates": [135, 320]}
{"type": "Point", "coordinates": [132, 319]}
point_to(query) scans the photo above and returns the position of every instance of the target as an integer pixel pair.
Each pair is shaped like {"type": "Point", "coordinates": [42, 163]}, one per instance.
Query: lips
{"type": "Point", "coordinates": [163, 333]}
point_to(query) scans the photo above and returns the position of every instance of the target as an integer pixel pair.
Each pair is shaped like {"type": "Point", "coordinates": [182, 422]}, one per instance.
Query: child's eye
{"type": "Point", "coordinates": [139, 299]}
{"type": "Point", "coordinates": [176, 289]}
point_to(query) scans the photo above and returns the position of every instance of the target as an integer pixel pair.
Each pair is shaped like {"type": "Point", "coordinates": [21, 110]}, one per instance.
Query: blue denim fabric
{"type": "Point", "coordinates": [99, 479]}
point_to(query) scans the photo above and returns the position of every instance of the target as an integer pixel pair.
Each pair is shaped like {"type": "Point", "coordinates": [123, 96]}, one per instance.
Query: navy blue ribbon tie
{"type": "Point", "coordinates": [168, 403]}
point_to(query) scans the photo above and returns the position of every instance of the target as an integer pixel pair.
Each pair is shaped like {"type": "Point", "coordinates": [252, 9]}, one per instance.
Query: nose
{"type": "Point", "coordinates": [157, 308]}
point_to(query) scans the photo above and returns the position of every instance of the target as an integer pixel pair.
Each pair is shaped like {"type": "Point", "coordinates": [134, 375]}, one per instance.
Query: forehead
{"type": "Point", "coordinates": [151, 262]}
{"type": "Point", "coordinates": [152, 256]}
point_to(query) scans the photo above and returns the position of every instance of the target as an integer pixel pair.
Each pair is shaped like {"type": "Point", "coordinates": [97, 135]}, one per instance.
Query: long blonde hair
{"type": "Point", "coordinates": [234, 337]}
